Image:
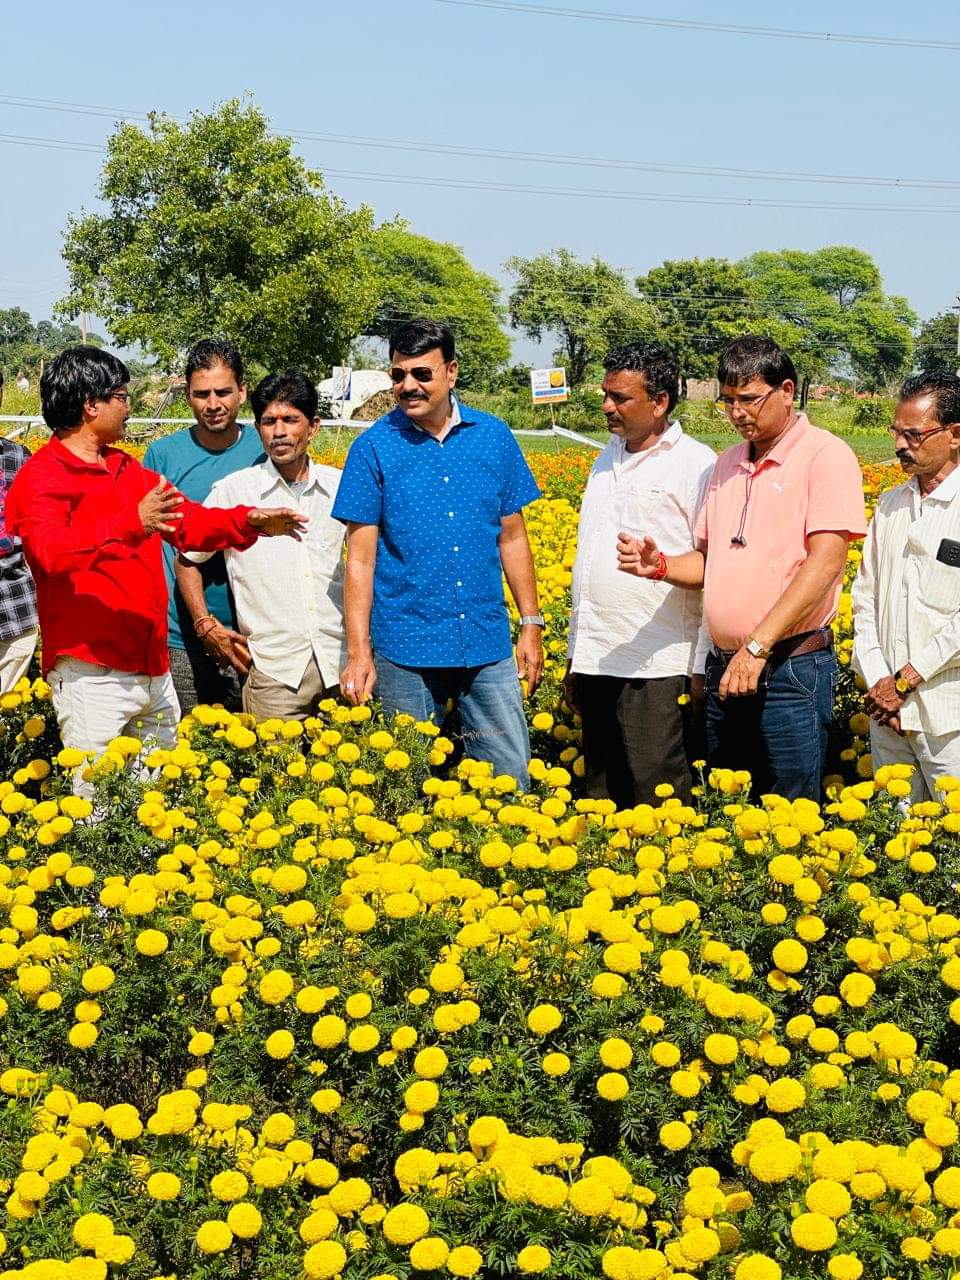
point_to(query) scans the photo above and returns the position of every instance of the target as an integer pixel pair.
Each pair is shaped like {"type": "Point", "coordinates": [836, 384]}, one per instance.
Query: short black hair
{"type": "Point", "coordinates": [289, 387]}
{"type": "Point", "coordinates": [76, 375]}
{"type": "Point", "coordinates": [213, 351]}
{"type": "Point", "coordinates": [417, 336]}
{"type": "Point", "coordinates": [754, 356]}
{"type": "Point", "coordinates": [658, 364]}
{"type": "Point", "coordinates": [945, 389]}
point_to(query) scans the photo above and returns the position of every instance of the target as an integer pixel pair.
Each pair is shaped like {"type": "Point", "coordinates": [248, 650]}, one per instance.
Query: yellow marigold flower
{"type": "Point", "coordinates": [100, 977]}
{"type": "Point", "coordinates": [616, 1053]}
{"type": "Point", "coordinates": [349, 1196]}
{"type": "Point", "coordinates": [446, 977]}
{"type": "Point", "coordinates": [813, 1232]}
{"type": "Point", "coordinates": [757, 1266]}
{"type": "Point", "coordinates": [556, 1064]}
{"type": "Point", "coordinates": [421, 1097]}
{"type": "Point", "coordinates": [543, 1019]}
{"type": "Point", "coordinates": [590, 1196]}
{"type": "Point", "coordinates": [152, 942]}
{"type": "Point", "coordinates": [947, 1240]}
{"type": "Point", "coordinates": [612, 1086]}
{"type": "Point", "coordinates": [430, 1063]}
{"type": "Point", "coordinates": [465, 1260]}
{"type": "Point", "coordinates": [326, 1101]}
{"type": "Point", "coordinates": [324, 1260]}
{"type": "Point", "coordinates": [405, 1223]}
{"type": "Point", "coordinates": [721, 1049]}
{"type": "Point", "coordinates": [675, 1135]}
{"type": "Point", "coordinates": [244, 1220]}
{"type": "Point", "coordinates": [229, 1185]}
{"type": "Point", "coordinates": [429, 1254]}
{"type": "Point", "coordinates": [280, 1045]}
{"type": "Point", "coordinates": [828, 1197]}
{"type": "Point", "coordinates": [699, 1245]}
{"type": "Point", "coordinates": [163, 1186]}
{"type": "Point", "coordinates": [533, 1258]}
{"type": "Point", "coordinates": [845, 1266]}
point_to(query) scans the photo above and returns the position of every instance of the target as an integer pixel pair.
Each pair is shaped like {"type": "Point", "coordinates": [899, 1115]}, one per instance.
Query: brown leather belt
{"type": "Point", "coordinates": [791, 647]}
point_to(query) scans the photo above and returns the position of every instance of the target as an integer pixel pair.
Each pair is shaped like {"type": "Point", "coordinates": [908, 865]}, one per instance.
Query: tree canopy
{"type": "Point", "coordinates": [589, 306]}
{"type": "Point", "coordinates": [24, 344]}
{"type": "Point", "coordinates": [699, 304]}
{"type": "Point", "coordinates": [215, 227]}
{"type": "Point", "coordinates": [936, 348]}
{"type": "Point", "coordinates": [829, 310]}
{"type": "Point", "coordinates": [422, 277]}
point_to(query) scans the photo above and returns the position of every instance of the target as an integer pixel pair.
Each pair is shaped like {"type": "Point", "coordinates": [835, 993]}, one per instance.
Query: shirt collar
{"type": "Point", "coordinates": [113, 458]}
{"type": "Point", "coordinates": [666, 440]}
{"type": "Point", "coordinates": [782, 449]}
{"type": "Point", "coordinates": [398, 419]}
{"type": "Point", "coordinates": [945, 491]}
{"type": "Point", "coordinates": [270, 478]}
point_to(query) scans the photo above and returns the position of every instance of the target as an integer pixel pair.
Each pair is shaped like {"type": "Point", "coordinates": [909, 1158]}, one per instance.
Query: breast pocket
{"type": "Point", "coordinates": [940, 586]}
{"type": "Point", "coordinates": [637, 509]}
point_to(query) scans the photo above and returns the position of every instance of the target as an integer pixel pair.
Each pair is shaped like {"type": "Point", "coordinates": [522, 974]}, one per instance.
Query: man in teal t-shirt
{"type": "Point", "coordinates": [208, 669]}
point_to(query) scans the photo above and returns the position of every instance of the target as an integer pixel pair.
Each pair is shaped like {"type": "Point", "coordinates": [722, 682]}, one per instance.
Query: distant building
{"type": "Point", "coordinates": [363, 384]}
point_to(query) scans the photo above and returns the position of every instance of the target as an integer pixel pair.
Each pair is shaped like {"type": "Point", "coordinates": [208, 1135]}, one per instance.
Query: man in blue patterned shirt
{"type": "Point", "coordinates": [433, 495]}
{"type": "Point", "coordinates": [18, 595]}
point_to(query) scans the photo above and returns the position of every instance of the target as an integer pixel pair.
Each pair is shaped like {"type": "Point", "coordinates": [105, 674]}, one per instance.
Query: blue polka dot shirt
{"type": "Point", "coordinates": [438, 586]}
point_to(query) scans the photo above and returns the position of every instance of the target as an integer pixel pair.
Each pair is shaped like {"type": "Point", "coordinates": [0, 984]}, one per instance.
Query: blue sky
{"type": "Point", "coordinates": [430, 72]}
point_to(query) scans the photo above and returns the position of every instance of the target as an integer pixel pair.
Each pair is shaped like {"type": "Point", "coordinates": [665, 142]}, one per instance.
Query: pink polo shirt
{"type": "Point", "coordinates": [810, 482]}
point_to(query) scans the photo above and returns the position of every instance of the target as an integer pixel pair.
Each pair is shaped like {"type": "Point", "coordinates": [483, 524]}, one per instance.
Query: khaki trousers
{"type": "Point", "coordinates": [15, 658]}
{"type": "Point", "coordinates": [267, 699]}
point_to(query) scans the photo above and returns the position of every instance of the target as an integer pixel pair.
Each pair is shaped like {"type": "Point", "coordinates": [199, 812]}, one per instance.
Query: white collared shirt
{"type": "Point", "coordinates": [288, 594]}
{"type": "Point", "coordinates": [626, 626]}
{"type": "Point", "coordinates": [906, 603]}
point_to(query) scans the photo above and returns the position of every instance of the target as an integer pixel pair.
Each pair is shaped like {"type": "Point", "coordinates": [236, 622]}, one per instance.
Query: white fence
{"type": "Point", "coordinates": [24, 423]}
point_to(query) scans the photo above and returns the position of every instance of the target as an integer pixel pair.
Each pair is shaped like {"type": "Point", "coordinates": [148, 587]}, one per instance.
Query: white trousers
{"type": "Point", "coordinates": [95, 704]}
{"type": "Point", "coordinates": [15, 658]}
{"type": "Point", "coordinates": [932, 755]}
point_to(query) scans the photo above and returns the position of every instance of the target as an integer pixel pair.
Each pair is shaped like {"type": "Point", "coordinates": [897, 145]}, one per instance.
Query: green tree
{"type": "Point", "coordinates": [936, 346]}
{"type": "Point", "coordinates": [700, 305]}
{"type": "Point", "coordinates": [829, 310]}
{"type": "Point", "coordinates": [589, 306]}
{"type": "Point", "coordinates": [423, 277]}
{"type": "Point", "coordinates": [214, 226]}
{"type": "Point", "coordinates": [24, 344]}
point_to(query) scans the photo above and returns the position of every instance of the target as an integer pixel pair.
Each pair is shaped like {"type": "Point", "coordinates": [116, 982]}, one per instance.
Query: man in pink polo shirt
{"type": "Point", "coordinates": [772, 537]}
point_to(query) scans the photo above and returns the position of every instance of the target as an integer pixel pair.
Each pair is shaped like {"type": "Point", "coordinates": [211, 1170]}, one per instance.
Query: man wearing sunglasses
{"type": "Point", "coordinates": [906, 597]}
{"type": "Point", "coordinates": [433, 495]}
{"type": "Point", "coordinates": [772, 537]}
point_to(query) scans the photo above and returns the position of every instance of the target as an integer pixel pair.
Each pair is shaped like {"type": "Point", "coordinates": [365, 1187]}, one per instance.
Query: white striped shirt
{"type": "Point", "coordinates": [906, 603]}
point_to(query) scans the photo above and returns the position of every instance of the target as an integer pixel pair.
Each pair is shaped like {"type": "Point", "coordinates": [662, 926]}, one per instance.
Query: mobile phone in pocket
{"type": "Point", "coordinates": [949, 553]}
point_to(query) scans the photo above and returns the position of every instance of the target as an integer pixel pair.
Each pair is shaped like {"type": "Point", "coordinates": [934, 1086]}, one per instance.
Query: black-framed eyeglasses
{"type": "Point", "coordinates": [120, 395]}
{"type": "Point", "coordinates": [728, 403]}
{"type": "Point", "coordinates": [916, 438]}
{"type": "Point", "coordinates": [422, 374]}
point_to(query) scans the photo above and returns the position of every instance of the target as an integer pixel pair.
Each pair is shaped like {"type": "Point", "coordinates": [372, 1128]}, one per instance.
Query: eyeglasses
{"type": "Point", "coordinates": [421, 374]}
{"type": "Point", "coordinates": [916, 438]}
{"type": "Point", "coordinates": [729, 403]}
{"type": "Point", "coordinates": [120, 395]}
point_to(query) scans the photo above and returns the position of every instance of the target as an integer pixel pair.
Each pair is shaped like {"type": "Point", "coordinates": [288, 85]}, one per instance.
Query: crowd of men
{"type": "Point", "coordinates": [703, 594]}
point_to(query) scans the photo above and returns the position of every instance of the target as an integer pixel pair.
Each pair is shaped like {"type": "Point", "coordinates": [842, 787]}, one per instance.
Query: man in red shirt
{"type": "Point", "coordinates": [91, 520]}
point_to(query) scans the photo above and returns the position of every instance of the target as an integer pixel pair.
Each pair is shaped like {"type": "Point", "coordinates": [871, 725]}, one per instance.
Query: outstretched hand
{"type": "Point", "coordinates": [158, 508]}
{"type": "Point", "coordinates": [273, 523]}
{"type": "Point", "coordinates": [639, 556]}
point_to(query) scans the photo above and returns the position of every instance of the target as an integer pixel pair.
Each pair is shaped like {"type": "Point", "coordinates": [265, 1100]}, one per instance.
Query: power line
{"type": "Point", "coordinates": [420, 180]}
{"type": "Point", "coordinates": [724, 28]}
{"type": "Point", "coordinates": [532, 157]}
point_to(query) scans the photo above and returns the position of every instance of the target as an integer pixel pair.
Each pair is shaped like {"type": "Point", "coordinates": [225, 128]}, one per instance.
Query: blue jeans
{"type": "Point", "coordinates": [780, 732]}
{"type": "Point", "coordinates": [489, 701]}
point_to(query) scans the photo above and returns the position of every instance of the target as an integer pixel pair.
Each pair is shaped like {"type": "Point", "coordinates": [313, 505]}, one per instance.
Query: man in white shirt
{"type": "Point", "coordinates": [906, 597]}
{"type": "Point", "coordinates": [289, 607]}
{"type": "Point", "coordinates": [633, 641]}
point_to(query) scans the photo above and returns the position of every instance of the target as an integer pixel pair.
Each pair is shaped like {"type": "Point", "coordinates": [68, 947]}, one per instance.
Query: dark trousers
{"type": "Point", "coordinates": [635, 735]}
{"type": "Point", "coordinates": [780, 732]}
{"type": "Point", "coordinates": [197, 678]}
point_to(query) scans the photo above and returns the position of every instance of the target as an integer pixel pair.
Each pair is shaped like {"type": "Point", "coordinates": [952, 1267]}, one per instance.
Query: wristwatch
{"type": "Point", "coordinates": [901, 684]}
{"type": "Point", "coordinates": [532, 620]}
{"type": "Point", "coordinates": [756, 649]}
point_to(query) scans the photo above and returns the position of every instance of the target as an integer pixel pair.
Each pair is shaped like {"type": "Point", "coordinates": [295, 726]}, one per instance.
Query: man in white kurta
{"type": "Point", "coordinates": [906, 597]}
{"type": "Point", "coordinates": [289, 607]}
{"type": "Point", "coordinates": [633, 642]}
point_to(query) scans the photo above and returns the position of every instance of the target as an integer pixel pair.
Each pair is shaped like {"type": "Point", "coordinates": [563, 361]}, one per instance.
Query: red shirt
{"type": "Point", "coordinates": [101, 591]}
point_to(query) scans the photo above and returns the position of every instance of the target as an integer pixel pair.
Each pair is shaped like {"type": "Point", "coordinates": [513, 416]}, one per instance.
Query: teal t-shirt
{"type": "Point", "coordinates": [194, 470]}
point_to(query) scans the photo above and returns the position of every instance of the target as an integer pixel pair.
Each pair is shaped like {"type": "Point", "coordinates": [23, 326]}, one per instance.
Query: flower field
{"type": "Point", "coordinates": [306, 1002]}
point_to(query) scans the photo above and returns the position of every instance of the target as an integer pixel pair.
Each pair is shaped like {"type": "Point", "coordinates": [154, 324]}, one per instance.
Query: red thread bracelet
{"type": "Point", "coordinates": [661, 572]}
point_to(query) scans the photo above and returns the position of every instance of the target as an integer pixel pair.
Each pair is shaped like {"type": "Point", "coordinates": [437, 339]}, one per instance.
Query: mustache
{"type": "Point", "coordinates": [902, 456]}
